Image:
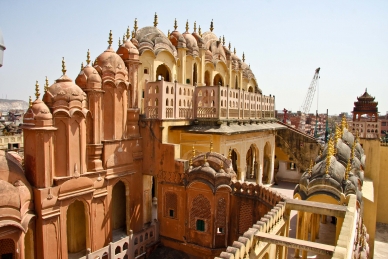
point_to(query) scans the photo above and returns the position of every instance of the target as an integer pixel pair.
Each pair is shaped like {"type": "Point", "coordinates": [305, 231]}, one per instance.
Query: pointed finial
{"type": "Point", "coordinates": [193, 151]}
{"type": "Point", "coordinates": [223, 40]}
{"type": "Point", "coordinates": [343, 123]}
{"type": "Point", "coordinates": [329, 154]}
{"type": "Point", "coordinates": [230, 153]}
{"type": "Point", "coordinates": [120, 41]}
{"type": "Point", "coordinates": [88, 57]}
{"type": "Point", "coordinates": [175, 24]}
{"type": "Point", "coordinates": [63, 66]}
{"type": "Point", "coordinates": [29, 101]}
{"type": "Point", "coordinates": [205, 158]}
{"type": "Point", "coordinates": [310, 167]}
{"type": "Point", "coordinates": [230, 46]}
{"type": "Point", "coordinates": [195, 26]}
{"type": "Point", "coordinates": [199, 31]}
{"type": "Point", "coordinates": [234, 51]}
{"type": "Point", "coordinates": [168, 34]}
{"type": "Point", "coordinates": [222, 164]}
{"type": "Point", "coordinates": [37, 94]}
{"type": "Point", "coordinates": [155, 20]}
{"type": "Point", "coordinates": [243, 57]}
{"type": "Point", "coordinates": [135, 26]}
{"type": "Point", "coordinates": [211, 146]}
{"type": "Point", "coordinates": [46, 85]}
{"type": "Point", "coordinates": [128, 34]}
{"type": "Point", "coordinates": [211, 26]}
{"type": "Point", "coordinates": [110, 39]}
{"type": "Point", "coordinates": [82, 66]}
{"type": "Point", "coordinates": [352, 152]}
{"type": "Point", "coordinates": [187, 26]}
{"type": "Point", "coordinates": [191, 161]}
{"type": "Point", "coordinates": [348, 168]}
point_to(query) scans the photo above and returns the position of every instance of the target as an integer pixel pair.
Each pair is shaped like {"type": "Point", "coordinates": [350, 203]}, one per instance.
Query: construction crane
{"type": "Point", "coordinates": [310, 93]}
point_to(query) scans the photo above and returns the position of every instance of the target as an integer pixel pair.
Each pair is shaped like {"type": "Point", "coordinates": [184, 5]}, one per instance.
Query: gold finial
{"type": "Point", "coordinates": [82, 66]}
{"type": "Point", "coordinates": [120, 41]}
{"type": "Point", "coordinates": [191, 161]}
{"type": "Point", "coordinates": [88, 58]}
{"type": "Point", "coordinates": [135, 25]}
{"type": "Point", "coordinates": [211, 26]}
{"type": "Point", "coordinates": [343, 123]}
{"type": "Point", "coordinates": [193, 151]}
{"type": "Point", "coordinates": [199, 31]}
{"type": "Point", "coordinates": [336, 137]}
{"type": "Point", "coordinates": [230, 153]}
{"type": "Point", "coordinates": [168, 34]}
{"type": "Point", "coordinates": [234, 51]}
{"type": "Point", "coordinates": [329, 154]}
{"type": "Point", "coordinates": [187, 26]}
{"type": "Point", "coordinates": [155, 20]}
{"type": "Point", "coordinates": [110, 39]}
{"type": "Point", "coordinates": [211, 146]}
{"type": "Point", "coordinates": [223, 40]}
{"type": "Point", "coordinates": [37, 94]}
{"type": "Point", "coordinates": [63, 66]}
{"type": "Point", "coordinates": [195, 26]}
{"type": "Point", "coordinates": [230, 46]}
{"type": "Point", "coordinates": [243, 57]}
{"type": "Point", "coordinates": [348, 168]}
{"type": "Point", "coordinates": [205, 158]}
{"type": "Point", "coordinates": [175, 25]}
{"type": "Point", "coordinates": [222, 164]}
{"type": "Point", "coordinates": [128, 34]}
{"type": "Point", "coordinates": [310, 170]}
{"type": "Point", "coordinates": [29, 101]}
{"type": "Point", "coordinates": [352, 152]}
{"type": "Point", "coordinates": [46, 86]}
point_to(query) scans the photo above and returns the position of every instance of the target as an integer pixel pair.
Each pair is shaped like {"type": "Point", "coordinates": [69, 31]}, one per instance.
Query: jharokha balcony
{"type": "Point", "coordinates": [166, 100]}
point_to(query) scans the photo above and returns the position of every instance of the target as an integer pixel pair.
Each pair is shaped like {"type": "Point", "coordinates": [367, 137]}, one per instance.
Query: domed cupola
{"type": "Point", "coordinates": [176, 37]}
{"type": "Point", "coordinates": [88, 77]}
{"type": "Point", "coordinates": [128, 50]}
{"type": "Point", "coordinates": [191, 42]}
{"type": "Point", "coordinates": [38, 113]}
{"type": "Point", "coordinates": [64, 95]}
{"type": "Point", "coordinates": [152, 39]}
{"type": "Point", "coordinates": [110, 65]}
{"type": "Point", "coordinates": [211, 168]}
{"type": "Point", "coordinates": [198, 36]}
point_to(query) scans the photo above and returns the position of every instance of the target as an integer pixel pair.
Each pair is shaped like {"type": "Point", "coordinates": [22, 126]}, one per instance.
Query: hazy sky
{"type": "Point", "coordinates": [284, 42]}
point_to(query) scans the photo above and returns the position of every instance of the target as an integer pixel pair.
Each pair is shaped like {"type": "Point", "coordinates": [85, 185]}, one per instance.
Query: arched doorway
{"type": "Point", "coordinates": [207, 78]}
{"type": "Point", "coordinates": [234, 161]}
{"type": "Point", "coordinates": [267, 163]}
{"type": "Point", "coordinates": [251, 162]}
{"type": "Point", "coordinates": [163, 71]}
{"type": "Point", "coordinates": [218, 80]}
{"type": "Point", "coordinates": [76, 228]}
{"type": "Point", "coordinates": [118, 211]}
{"type": "Point", "coordinates": [195, 74]}
{"type": "Point", "coordinates": [7, 249]}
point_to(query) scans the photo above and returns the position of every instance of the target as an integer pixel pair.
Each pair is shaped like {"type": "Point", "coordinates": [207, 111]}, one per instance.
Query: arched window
{"type": "Point", "coordinates": [218, 80]}
{"type": "Point", "coordinates": [172, 102]}
{"type": "Point", "coordinates": [166, 102]}
{"type": "Point", "coordinates": [156, 102]}
{"type": "Point", "coordinates": [172, 90]}
{"type": "Point", "coordinates": [167, 90]}
{"type": "Point", "coordinates": [156, 89]}
{"type": "Point", "coordinates": [180, 103]}
{"type": "Point", "coordinates": [162, 71]}
{"type": "Point", "coordinates": [180, 91]}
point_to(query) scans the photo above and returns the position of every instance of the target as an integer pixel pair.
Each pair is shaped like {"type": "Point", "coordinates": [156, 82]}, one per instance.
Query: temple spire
{"type": "Point", "coordinates": [46, 86]}
{"type": "Point", "coordinates": [223, 40]}
{"type": "Point", "coordinates": [82, 66]}
{"type": "Point", "coordinates": [155, 20]}
{"type": "Point", "coordinates": [234, 51]}
{"type": "Point", "coordinates": [88, 57]}
{"type": "Point", "coordinates": [175, 25]}
{"type": "Point", "coordinates": [134, 28]}
{"type": "Point", "coordinates": [128, 34]}
{"type": "Point", "coordinates": [199, 31]}
{"type": "Point", "coordinates": [63, 66]}
{"type": "Point", "coordinates": [110, 39]}
{"type": "Point", "coordinates": [211, 26]}
{"type": "Point", "coordinates": [243, 57]}
{"type": "Point", "coordinates": [195, 26]}
{"type": "Point", "coordinates": [230, 46]}
{"type": "Point", "coordinates": [187, 26]}
{"type": "Point", "coordinates": [37, 94]}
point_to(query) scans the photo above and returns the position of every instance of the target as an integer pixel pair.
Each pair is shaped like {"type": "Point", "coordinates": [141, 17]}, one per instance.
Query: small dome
{"type": "Point", "coordinates": [128, 51]}
{"type": "Point", "coordinates": [37, 111]}
{"type": "Point", "coordinates": [199, 40]}
{"type": "Point", "coordinates": [64, 94]}
{"type": "Point", "coordinates": [191, 44]}
{"type": "Point", "coordinates": [88, 77]}
{"type": "Point", "coordinates": [111, 65]}
{"type": "Point", "coordinates": [177, 39]}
